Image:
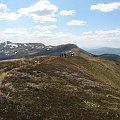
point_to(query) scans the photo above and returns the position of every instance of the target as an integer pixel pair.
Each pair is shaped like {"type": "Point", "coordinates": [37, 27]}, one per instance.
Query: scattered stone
{"type": "Point", "coordinates": [23, 76]}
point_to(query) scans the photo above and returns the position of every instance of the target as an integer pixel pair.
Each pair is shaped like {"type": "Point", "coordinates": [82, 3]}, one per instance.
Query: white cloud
{"type": "Point", "coordinates": [66, 12]}
{"type": "Point", "coordinates": [3, 8]}
{"type": "Point", "coordinates": [42, 11]}
{"type": "Point", "coordinates": [76, 22]}
{"type": "Point", "coordinates": [100, 38]}
{"type": "Point", "coordinates": [5, 13]}
{"type": "Point", "coordinates": [87, 33]}
{"type": "Point", "coordinates": [25, 35]}
{"type": "Point", "coordinates": [106, 7]}
{"type": "Point", "coordinates": [45, 28]}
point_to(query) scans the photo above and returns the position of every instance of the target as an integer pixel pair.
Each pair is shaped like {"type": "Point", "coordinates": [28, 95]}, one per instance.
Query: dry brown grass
{"type": "Point", "coordinates": [53, 88]}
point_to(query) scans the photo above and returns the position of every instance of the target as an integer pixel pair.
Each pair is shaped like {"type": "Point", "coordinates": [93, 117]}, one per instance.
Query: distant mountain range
{"type": "Point", "coordinates": [16, 50]}
{"type": "Point", "coordinates": [104, 50]}
{"type": "Point", "coordinates": [9, 50]}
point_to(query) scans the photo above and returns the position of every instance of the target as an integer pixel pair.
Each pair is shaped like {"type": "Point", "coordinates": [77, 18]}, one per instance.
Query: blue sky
{"type": "Point", "coordinates": [87, 23]}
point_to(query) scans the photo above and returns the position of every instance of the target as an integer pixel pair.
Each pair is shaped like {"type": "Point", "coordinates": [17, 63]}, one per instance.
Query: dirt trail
{"type": "Point", "coordinates": [2, 76]}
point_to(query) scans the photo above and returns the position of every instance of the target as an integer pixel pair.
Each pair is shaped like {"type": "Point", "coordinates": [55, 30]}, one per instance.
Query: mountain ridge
{"type": "Point", "coordinates": [9, 50]}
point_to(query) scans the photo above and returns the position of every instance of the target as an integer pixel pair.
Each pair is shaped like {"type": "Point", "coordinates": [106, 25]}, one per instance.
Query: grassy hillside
{"type": "Point", "coordinates": [54, 88]}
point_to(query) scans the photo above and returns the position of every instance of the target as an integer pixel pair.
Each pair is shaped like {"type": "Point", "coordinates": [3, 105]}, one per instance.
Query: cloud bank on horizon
{"type": "Point", "coordinates": [87, 24]}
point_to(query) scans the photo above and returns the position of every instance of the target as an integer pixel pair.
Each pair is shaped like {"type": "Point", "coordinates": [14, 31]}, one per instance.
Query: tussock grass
{"type": "Point", "coordinates": [53, 88]}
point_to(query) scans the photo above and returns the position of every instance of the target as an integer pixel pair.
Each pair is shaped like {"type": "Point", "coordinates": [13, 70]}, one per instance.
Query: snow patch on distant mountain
{"type": "Point", "coordinates": [11, 45]}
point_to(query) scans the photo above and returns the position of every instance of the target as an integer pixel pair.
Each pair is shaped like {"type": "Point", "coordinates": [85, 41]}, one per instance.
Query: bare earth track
{"type": "Point", "coordinates": [2, 76]}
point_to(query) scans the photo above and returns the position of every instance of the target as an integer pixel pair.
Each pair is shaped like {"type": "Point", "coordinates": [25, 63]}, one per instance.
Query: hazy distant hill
{"type": "Point", "coordinates": [104, 50]}
{"type": "Point", "coordinates": [111, 57]}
